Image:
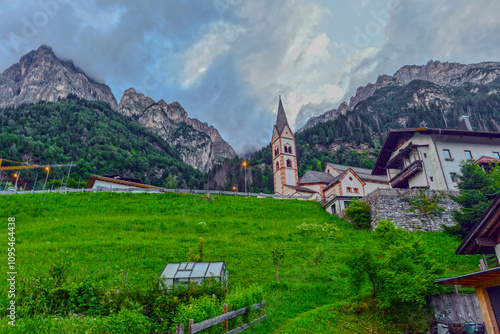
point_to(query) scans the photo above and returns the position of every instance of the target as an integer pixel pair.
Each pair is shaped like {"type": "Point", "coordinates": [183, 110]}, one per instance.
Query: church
{"type": "Point", "coordinates": [335, 187]}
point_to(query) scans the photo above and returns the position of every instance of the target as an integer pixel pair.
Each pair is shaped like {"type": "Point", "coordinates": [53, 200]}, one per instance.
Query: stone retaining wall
{"type": "Point", "coordinates": [391, 204]}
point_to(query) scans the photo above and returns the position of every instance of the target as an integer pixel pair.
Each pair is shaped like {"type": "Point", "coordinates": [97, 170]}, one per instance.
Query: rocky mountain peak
{"type": "Point", "coordinates": [199, 144]}
{"type": "Point", "coordinates": [436, 72]}
{"type": "Point", "coordinates": [41, 76]}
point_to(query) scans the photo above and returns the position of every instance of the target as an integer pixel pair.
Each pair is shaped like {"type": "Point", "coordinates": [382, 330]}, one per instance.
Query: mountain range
{"type": "Point", "coordinates": [441, 74]}
{"type": "Point", "coordinates": [41, 76]}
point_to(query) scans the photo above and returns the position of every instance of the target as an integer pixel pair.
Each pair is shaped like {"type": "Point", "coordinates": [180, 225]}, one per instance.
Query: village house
{"type": "Point", "coordinates": [431, 158]}
{"type": "Point", "coordinates": [111, 182]}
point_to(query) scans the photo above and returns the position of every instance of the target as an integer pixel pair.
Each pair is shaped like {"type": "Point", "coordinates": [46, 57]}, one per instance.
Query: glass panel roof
{"type": "Point", "coordinates": [199, 269]}
{"type": "Point", "coordinates": [214, 269]}
{"type": "Point", "coordinates": [183, 273]}
{"type": "Point", "coordinates": [170, 270]}
{"type": "Point", "coordinates": [193, 269]}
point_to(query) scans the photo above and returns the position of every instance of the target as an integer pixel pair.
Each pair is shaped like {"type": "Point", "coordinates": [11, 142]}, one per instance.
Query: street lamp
{"type": "Point", "coordinates": [48, 170]}
{"type": "Point", "coordinates": [16, 175]}
{"type": "Point", "coordinates": [234, 189]}
{"type": "Point", "coordinates": [245, 165]}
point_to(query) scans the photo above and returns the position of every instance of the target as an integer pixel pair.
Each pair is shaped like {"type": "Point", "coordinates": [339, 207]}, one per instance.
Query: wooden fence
{"type": "Point", "coordinates": [196, 328]}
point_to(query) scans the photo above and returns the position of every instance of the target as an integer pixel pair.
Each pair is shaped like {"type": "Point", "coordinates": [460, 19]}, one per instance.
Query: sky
{"type": "Point", "coordinates": [226, 61]}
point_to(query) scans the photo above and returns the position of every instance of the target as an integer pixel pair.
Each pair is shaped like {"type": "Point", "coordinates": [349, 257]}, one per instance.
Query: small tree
{"type": "Point", "coordinates": [278, 257]}
{"type": "Point", "coordinates": [477, 189]}
{"type": "Point", "coordinates": [358, 213]}
{"type": "Point", "coordinates": [426, 206]}
{"type": "Point", "coordinates": [318, 256]}
{"type": "Point", "coordinates": [396, 264]}
{"type": "Point", "coordinates": [192, 257]}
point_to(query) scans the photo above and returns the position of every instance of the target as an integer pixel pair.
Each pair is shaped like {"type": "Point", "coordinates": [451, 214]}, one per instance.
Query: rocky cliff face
{"type": "Point", "coordinates": [442, 74]}
{"type": "Point", "coordinates": [41, 76]}
{"type": "Point", "coordinates": [199, 144]}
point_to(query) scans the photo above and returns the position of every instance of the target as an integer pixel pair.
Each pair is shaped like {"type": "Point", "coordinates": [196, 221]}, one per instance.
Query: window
{"type": "Point", "coordinates": [447, 154]}
{"type": "Point", "coordinates": [356, 190]}
{"type": "Point", "coordinates": [432, 178]}
{"type": "Point", "coordinates": [350, 178]}
{"type": "Point", "coordinates": [289, 163]}
{"type": "Point", "coordinates": [453, 177]}
{"type": "Point", "coordinates": [425, 155]}
{"type": "Point", "coordinates": [276, 151]}
{"type": "Point", "coordinates": [290, 149]}
{"type": "Point", "coordinates": [277, 165]}
{"type": "Point", "coordinates": [468, 155]}
{"type": "Point", "coordinates": [496, 155]}
{"type": "Point", "coordinates": [349, 189]}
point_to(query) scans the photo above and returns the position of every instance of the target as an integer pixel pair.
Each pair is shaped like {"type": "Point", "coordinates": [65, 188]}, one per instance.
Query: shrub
{"type": "Point", "coordinates": [320, 230]}
{"type": "Point", "coordinates": [359, 213]}
{"type": "Point", "coordinates": [127, 321]}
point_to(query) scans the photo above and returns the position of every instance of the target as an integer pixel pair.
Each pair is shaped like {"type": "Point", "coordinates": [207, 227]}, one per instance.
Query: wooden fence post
{"type": "Point", "coordinates": [226, 323]}
{"type": "Point", "coordinates": [191, 323]}
{"type": "Point", "coordinates": [179, 329]}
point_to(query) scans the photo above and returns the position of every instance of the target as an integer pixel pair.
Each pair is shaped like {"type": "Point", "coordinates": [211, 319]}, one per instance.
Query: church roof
{"type": "Point", "coordinates": [312, 176]}
{"type": "Point", "coordinates": [363, 173]}
{"type": "Point", "coordinates": [301, 189]}
{"type": "Point", "coordinates": [281, 121]}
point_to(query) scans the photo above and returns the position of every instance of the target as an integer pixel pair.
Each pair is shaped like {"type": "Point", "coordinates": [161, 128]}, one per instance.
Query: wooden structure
{"type": "Point", "coordinates": [484, 238]}
{"type": "Point", "coordinates": [196, 328]}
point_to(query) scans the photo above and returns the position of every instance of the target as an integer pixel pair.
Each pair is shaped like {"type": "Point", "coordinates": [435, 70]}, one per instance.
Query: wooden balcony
{"type": "Point", "coordinates": [401, 180]}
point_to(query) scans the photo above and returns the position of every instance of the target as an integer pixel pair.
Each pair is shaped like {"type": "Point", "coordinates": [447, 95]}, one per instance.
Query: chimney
{"type": "Point", "coordinates": [465, 122]}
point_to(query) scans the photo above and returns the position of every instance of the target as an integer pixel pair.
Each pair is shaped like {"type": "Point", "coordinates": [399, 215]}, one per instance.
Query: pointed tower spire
{"type": "Point", "coordinates": [281, 121]}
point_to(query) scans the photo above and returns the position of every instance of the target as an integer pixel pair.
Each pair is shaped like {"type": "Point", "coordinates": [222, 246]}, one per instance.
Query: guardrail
{"type": "Point", "coordinates": [158, 191]}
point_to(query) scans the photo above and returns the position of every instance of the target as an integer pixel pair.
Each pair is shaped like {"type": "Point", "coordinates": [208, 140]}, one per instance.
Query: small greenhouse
{"type": "Point", "coordinates": [186, 272]}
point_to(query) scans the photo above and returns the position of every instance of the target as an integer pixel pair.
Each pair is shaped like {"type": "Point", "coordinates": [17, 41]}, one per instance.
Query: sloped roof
{"type": "Point", "coordinates": [193, 269]}
{"type": "Point", "coordinates": [364, 174]}
{"type": "Point", "coordinates": [484, 160]}
{"type": "Point", "coordinates": [281, 120]}
{"type": "Point", "coordinates": [482, 237]}
{"type": "Point", "coordinates": [93, 178]}
{"type": "Point", "coordinates": [336, 179]}
{"type": "Point", "coordinates": [301, 189]}
{"type": "Point", "coordinates": [312, 176]}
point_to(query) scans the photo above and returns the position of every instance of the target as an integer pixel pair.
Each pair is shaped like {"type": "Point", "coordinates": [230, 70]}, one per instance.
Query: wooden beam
{"type": "Point", "coordinates": [245, 326]}
{"type": "Point", "coordinates": [195, 328]}
{"type": "Point", "coordinates": [486, 242]}
{"type": "Point", "coordinates": [489, 317]}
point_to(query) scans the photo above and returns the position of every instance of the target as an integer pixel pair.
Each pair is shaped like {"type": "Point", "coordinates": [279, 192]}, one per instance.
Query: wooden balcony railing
{"type": "Point", "coordinates": [407, 173]}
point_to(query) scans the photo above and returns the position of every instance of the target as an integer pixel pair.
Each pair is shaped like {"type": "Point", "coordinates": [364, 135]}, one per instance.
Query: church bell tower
{"type": "Point", "coordinates": [284, 154]}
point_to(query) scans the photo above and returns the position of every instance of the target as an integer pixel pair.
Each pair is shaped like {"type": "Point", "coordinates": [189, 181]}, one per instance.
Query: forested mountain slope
{"type": "Point", "coordinates": [95, 137]}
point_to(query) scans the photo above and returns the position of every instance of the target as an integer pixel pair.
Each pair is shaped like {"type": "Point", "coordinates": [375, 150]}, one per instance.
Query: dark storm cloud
{"type": "Point", "coordinates": [226, 60]}
{"type": "Point", "coordinates": [448, 31]}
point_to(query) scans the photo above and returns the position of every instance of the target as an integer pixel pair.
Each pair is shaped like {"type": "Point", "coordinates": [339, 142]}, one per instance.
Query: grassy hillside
{"type": "Point", "coordinates": [124, 240]}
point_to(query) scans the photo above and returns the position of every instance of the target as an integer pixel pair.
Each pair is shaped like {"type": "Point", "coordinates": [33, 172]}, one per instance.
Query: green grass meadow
{"type": "Point", "coordinates": [126, 239]}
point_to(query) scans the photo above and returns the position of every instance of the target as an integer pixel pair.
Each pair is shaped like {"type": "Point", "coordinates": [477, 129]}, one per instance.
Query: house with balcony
{"type": "Point", "coordinates": [423, 157]}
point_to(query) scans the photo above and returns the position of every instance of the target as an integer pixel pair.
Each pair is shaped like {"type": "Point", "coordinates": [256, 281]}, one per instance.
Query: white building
{"type": "Point", "coordinates": [415, 158]}
{"type": "Point", "coordinates": [112, 182]}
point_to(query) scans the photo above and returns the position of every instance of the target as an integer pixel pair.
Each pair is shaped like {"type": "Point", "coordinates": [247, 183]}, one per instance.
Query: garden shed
{"type": "Point", "coordinates": [185, 272]}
